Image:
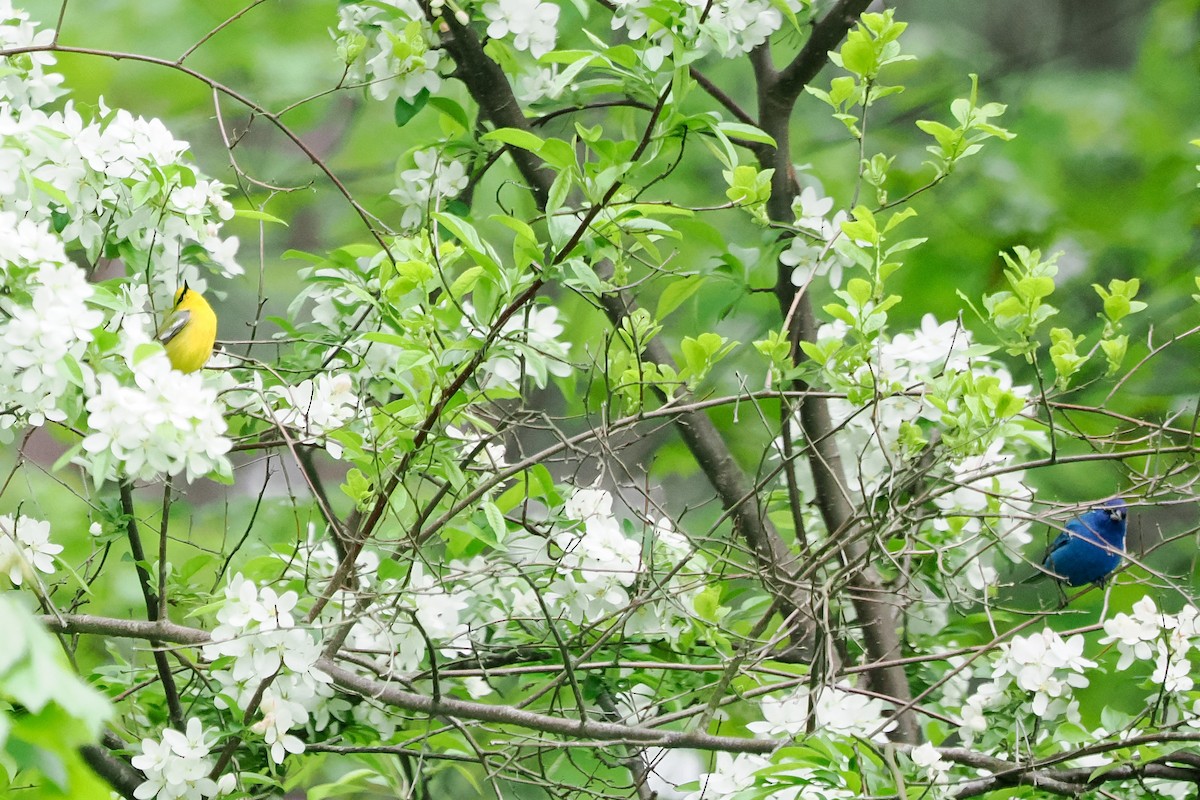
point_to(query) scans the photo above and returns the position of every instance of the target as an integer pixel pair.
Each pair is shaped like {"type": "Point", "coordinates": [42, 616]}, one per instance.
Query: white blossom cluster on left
{"type": "Point", "coordinates": [75, 190]}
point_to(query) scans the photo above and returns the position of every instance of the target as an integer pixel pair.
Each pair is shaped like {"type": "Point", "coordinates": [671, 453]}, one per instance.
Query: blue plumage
{"type": "Point", "coordinates": [1091, 546]}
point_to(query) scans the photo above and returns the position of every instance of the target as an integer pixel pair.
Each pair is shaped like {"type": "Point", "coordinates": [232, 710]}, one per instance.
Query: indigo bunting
{"type": "Point", "coordinates": [1090, 548]}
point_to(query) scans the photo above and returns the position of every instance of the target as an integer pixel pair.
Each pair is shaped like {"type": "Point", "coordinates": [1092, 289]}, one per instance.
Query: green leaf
{"type": "Point", "coordinates": [516, 138]}
{"type": "Point", "coordinates": [859, 291]}
{"type": "Point", "coordinates": [451, 110]}
{"type": "Point", "coordinates": [557, 153]}
{"type": "Point", "coordinates": [495, 521]}
{"type": "Point", "coordinates": [748, 133]}
{"type": "Point", "coordinates": [260, 216]}
{"type": "Point", "coordinates": [1114, 350]}
{"type": "Point", "coordinates": [405, 110]}
{"type": "Point", "coordinates": [675, 294]}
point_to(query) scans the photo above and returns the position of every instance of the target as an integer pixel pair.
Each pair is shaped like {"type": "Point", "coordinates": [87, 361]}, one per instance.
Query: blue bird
{"type": "Point", "coordinates": [1090, 548]}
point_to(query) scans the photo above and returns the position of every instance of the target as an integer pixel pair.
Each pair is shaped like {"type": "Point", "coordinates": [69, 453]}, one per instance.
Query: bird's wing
{"type": "Point", "coordinates": [174, 324]}
{"type": "Point", "coordinates": [1044, 569]}
{"type": "Point", "coordinates": [1061, 541]}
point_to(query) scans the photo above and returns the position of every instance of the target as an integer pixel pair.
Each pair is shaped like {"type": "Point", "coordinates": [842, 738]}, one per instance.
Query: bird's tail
{"type": "Point", "coordinates": [1041, 572]}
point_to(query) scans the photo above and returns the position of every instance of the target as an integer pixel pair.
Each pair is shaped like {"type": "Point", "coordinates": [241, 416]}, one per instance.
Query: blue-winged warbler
{"type": "Point", "coordinates": [189, 331]}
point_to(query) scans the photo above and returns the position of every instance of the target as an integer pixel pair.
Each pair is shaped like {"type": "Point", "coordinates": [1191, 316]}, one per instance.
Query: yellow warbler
{"type": "Point", "coordinates": [189, 331]}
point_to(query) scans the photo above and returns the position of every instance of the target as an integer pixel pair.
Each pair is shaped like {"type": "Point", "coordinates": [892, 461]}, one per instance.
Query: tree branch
{"type": "Point", "coordinates": [155, 608]}
{"type": "Point", "coordinates": [777, 94]}
{"type": "Point", "coordinates": [813, 57]}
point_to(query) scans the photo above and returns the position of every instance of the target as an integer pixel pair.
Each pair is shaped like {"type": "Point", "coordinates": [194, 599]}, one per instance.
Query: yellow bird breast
{"type": "Point", "coordinates": [189, 332]}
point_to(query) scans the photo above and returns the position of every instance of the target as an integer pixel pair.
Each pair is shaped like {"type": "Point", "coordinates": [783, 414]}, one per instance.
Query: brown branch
{"type": "Point", "coordinates": [703, 440]}
{"type": "Point", "coordinates": [777, 95]}
{"type": "Point", "coordinates": [386, 692]}
{"type": "Point", "coordinates": [489, 86]}
{"type": "Point", "coordinates": [155, 606]}
{"type": "Point", "coordinates": [117, 773]}
{"type": "Point", "coordinates": [1038, 773]}
{"type": "Point", "coordinates": [813, 57]}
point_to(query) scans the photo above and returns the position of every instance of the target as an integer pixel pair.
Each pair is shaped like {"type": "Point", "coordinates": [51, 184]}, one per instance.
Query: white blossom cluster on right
{"type": "Point", "coordinates": [924, 377]}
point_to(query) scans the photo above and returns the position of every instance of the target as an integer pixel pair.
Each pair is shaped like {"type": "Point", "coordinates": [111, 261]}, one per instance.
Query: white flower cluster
{"type": "Point", "coordinates": [167, 423]}
{"type": "Point", "coordinates": [489, 453]}
{"type": "Point", "coordinates": [118, 181]}
{"type": "Point", "coordinates": [425, 187]}
{"type": "Point", "coordinates": [924, 377]}
{"type": "Point", "coordinates": [24, 546]}
{"type": "Point", "coordinates": [1150, 633]}
{"type": "Point", "coordinates": [837, 711]}
{"type": "Point", "coordinates": [314, 407]}
{"type": "Point", "coordinates": [598, 564]}
{"type": "Point", "coordinates": [409, 617]}
{"type": "Point", "coordinates": [396, 630]}
{"type": "Point", "coordinates": [496, 600]}
{"type": "Point", "coordinates": [733, 775]}
{"type": "Point", "coordinates": [728, 27]}
{"type": "Point", "coordinates": [927, 758]}
{"type": "Point", "coordinates": [390, 46]}
{"type": "Point", "coordinates": [257, 633]}
{"type": "Point", "coordinates": [531, 23]}
{"type": "Point", "coordinates": [45, 325]}
{"type": "Point", "coordinates": [810, 253]}
{"type": "Point", "coordinates": [542, 83]}
{"type": "Point", "coordinates": [528, 344]}
{"type": "Point", "coordinates": [1042, 669]}
{"type": "Point", "coordinates": [97, 186]}
{"type": "Point", "coordinates": [178, 765]}
{"type": "Point", "coordinates": [980, 511]}
{"type": "Point", "coordinates": [30, 84]}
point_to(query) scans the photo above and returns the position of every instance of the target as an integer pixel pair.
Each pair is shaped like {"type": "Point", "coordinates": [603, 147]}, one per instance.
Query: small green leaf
{"type": "Point", "coordinates": [405, 110]}
{"type": "Point", "coordinates": [260, 216]}
{"type": "Point", "coordinates": [675, 294]}
{"type": "Point", "coordinates": [452, 110]}
{"type": "Point", "coordinates": [516, 138]}
{"type": "Point", "coordinates": [748, 133]}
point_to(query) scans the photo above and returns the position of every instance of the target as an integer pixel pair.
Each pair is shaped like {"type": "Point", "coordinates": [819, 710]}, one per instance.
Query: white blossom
{"type": "Point", "coordinates": [315, 407]}
{"type": "Point", "coordinates": [25, 545]}
{"type": "Point", "coordinates": [46, 324]}
{"type": "Point", "coordinates": [927, 757]}
{"type": "Point", "coordinates": [411, 616]}
{"type": "Point", "coordinates": [529, 344]}
{"type": "Point", "coordinates": [25, 81]}
{"type": "Point", "coordinates": [178, 765]}
{"type": "Point", "coordinates": [1172, 670]}
{"type": "Point", "coordinates": [542, 83]}
{"type": "Point", "coordinates": [166, 423]}
{"type": "Point", "coordinates": [257, 632]}
{"type": "Point", "coordinates": [598, 550]}
{"type": "Point", "coordinates": [837, 711]}
{"type": "Point", "coordinates": [732, 774]}
{"type": "Point", "coordinates": [1136, 633]}
{"type": "Point", "coordinates": [489, 451]}
{"type": "Point", "coordinates": [391, 47]}
{"type": "Point", "coordinates": [1046, 668]}
{"type": "Point", "coordinates": [530, 23]}
{"type": "Point", "coordinates": [423, 188]}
